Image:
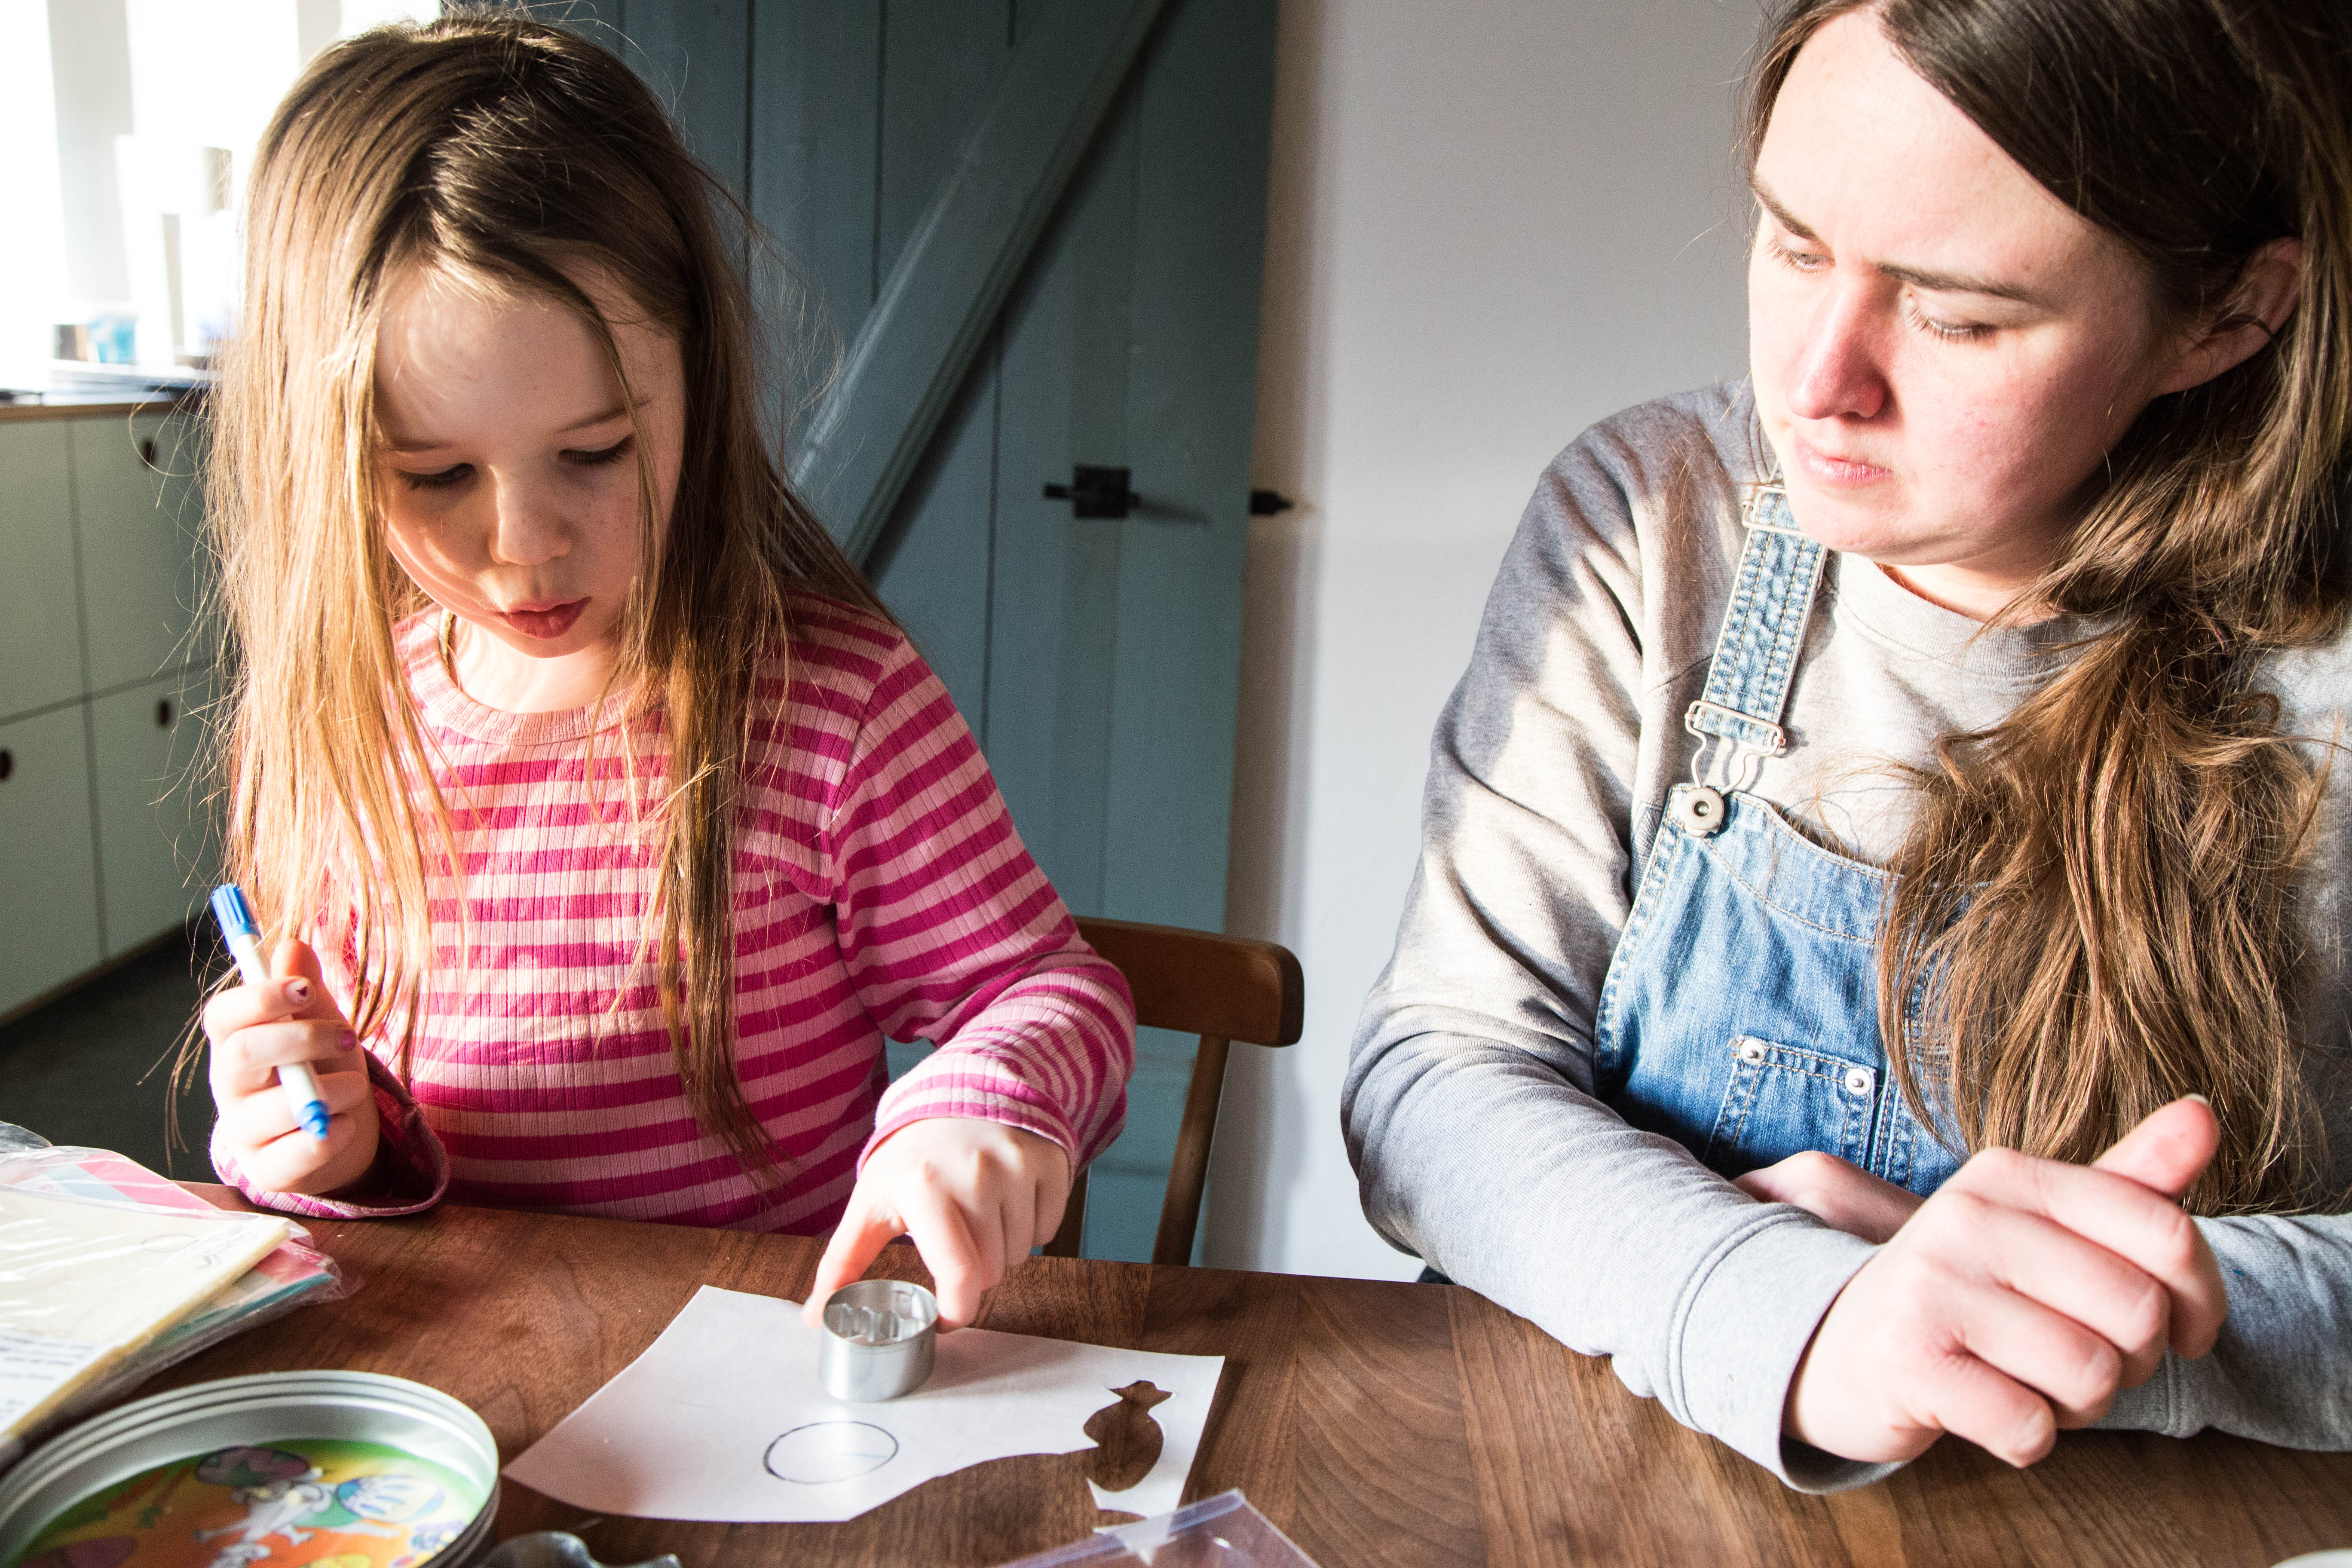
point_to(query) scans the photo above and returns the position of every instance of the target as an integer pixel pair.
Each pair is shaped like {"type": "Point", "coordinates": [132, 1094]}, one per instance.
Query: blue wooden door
{"type": "Point", "coordinates": [1096, 659]}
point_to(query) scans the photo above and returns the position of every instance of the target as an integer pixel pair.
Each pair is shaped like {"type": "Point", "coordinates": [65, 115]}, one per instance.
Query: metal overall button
{"type": "Point", "coordinates": [1858, 1081]}
{"type": "Point", "coordinates": [1699, 809]}
{"type": "Point", "coordinates": [1750, 1051]}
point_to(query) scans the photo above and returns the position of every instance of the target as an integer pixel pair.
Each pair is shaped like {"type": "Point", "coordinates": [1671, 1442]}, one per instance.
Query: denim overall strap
{"type": "Point", "coordinates": [1763, 631]}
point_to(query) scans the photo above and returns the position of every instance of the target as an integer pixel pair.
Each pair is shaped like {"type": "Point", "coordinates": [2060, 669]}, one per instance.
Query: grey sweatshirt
{"type": "Point", "coordinates": [1468, 1105]}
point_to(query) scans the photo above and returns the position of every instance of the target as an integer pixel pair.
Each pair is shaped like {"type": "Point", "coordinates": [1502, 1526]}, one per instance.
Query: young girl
{"type": "Point", "coordinates": [1907, 776]}
{"type": "Point", "coordinates": [609, 821]}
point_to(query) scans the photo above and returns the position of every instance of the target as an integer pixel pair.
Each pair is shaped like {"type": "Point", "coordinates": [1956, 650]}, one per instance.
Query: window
{"type": "Point", "coordinates": [131, 125]}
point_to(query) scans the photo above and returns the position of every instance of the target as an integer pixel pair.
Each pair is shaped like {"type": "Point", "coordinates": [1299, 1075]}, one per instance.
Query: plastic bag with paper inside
{"type": "Point", "coordinates": [110, 1273]}
{"type": "Point", "coordinates": [1221, 1532]}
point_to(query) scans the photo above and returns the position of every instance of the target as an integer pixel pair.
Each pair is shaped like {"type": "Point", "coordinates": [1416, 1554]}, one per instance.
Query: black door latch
{"type": "Point", "coordinates": [1096, 492]}
{"type": "Point", "coordinates": [1103, 492]}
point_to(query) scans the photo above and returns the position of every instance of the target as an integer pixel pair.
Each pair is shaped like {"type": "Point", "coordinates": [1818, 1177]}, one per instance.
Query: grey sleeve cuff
{"type": "Point", "coordinates": [1744, 1325]}
{"type": "Point", "coordinates": [2275, 1375]}
{"type": "Point", "coordinates": [2150, 1406]}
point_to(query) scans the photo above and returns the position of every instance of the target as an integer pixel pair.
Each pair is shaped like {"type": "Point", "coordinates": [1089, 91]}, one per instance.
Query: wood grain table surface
{"type": "Point", "coordinates": [1374, 1423]}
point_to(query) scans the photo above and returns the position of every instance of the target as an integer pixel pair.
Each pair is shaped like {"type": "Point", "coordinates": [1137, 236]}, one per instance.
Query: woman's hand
{"type": "Point", "coordinates": [975, 1195]}
{"type": "Point", "coordinates": [289, 1018]}
{"type": "Point", "coordinates": [1843, 1197]}
{"type": "Point", "coordinates": [2018, 1300]}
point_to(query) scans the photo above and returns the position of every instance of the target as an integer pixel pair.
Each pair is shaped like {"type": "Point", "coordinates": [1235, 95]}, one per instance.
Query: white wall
{"type": "Point", "coordinates": [1493, 221]}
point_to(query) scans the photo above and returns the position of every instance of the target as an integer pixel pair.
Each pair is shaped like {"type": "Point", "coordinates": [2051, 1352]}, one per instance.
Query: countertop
{"type": "Point", "coordinates": [96, 404]}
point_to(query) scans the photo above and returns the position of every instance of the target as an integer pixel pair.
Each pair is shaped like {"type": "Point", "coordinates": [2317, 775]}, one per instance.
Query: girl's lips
{"type": "Point", "coordinates": [1843, 472]}
{"type": "Point", "coordinates": [546, 623]}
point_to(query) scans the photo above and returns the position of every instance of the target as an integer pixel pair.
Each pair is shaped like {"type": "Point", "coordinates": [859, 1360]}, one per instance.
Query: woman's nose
{"type": "Point", "coordinates": [1840, 373]}
{"type": "Point", "coordinates": [529, 528]}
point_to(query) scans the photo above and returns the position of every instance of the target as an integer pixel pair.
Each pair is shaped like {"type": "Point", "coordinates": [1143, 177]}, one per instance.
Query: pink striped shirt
{"type": "Point", "coordinates": [879, 888]}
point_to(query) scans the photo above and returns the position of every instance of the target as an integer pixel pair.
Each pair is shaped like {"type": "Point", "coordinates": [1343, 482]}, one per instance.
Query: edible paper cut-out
{"type": "Point", "coordinates": [722, 1418]}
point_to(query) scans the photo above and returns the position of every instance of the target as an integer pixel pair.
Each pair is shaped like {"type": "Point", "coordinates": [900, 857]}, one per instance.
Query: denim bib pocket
{"type": "Point", "coordinates": [1784, 1099]}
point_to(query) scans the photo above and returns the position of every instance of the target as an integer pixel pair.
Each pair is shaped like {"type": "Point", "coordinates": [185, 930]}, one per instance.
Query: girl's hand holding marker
{"type": "Point", "coordinates": [287, 1072]}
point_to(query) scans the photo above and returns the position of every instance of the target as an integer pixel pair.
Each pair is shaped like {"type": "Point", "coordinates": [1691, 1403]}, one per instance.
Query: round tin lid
{"type": "Point", "coordinates": [279, 1455]}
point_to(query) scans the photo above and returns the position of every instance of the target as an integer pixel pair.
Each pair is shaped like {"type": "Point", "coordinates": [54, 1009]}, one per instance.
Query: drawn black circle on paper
{"type": "Point", "coordinates": [823, 1452]}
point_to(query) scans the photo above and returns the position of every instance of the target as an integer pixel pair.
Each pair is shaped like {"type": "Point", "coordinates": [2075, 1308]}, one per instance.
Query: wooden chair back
{"type": "Point", "coordinates": [1222, 988]}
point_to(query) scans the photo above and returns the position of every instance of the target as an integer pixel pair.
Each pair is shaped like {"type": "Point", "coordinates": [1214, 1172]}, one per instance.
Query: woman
{"type": "Point", "coordinates": [1906, 776]}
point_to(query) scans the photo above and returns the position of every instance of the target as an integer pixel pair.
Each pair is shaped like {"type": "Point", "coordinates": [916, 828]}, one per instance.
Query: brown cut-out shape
{"type": "Point", "coordinates": [1127, 1439]}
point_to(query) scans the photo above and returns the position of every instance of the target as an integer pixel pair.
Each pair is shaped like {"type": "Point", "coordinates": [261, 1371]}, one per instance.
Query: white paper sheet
{"type": "Point", "coordinates": [723, 1418]}
{"type": "Point", "coordinates": [84, 1285]}
{"type": "Point", "coordinates": [32, 1367]}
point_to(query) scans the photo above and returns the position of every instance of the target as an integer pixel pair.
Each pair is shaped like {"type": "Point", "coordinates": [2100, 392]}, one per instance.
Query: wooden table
{"type": "Point", "coordinates": [1374, 1423]}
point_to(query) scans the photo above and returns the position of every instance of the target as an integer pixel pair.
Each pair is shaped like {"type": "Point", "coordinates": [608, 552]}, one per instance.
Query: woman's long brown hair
{"type": "Point", "coordinates": [2095, 912]}
{"type": "Point", "coordinates": [509, 156]}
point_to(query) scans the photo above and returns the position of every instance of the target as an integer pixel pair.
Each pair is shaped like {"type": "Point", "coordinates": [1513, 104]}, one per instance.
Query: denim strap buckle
{"type": "Point", "coordinates": [1763, 632]}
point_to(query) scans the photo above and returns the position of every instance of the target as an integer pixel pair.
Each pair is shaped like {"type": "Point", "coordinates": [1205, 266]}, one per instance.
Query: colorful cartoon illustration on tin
{"type": "Point", "coordinates": [275, 1495]}
{"type": "Point", "coordinates": [425, 1539]}
{"type": "Point", "coordinates": [325, 1503]}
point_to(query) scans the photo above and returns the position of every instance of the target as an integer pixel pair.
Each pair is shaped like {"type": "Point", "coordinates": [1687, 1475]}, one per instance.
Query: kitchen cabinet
{"type": "Point", "coordinates": [105, 842]}
{"type": "Point", "coordinates": [40, 624]}
{"type": "Point", "coordinates": [135, 504]}
{"type": "Point", "coordinates": [48, 859]}
{"type": "Point", "coordinates": [158, 847]}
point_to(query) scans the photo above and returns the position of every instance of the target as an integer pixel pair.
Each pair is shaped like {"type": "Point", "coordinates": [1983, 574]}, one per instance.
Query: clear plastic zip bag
{"type": "Point", "coordinates": [70, 1218]}
{"type": "Point", "coordinates": [1221, 1532]}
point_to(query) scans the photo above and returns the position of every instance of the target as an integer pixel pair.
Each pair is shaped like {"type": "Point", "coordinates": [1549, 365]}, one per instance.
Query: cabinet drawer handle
{"type": "Point", "coordinates": [147, 452]}
{"type": "Point", "coordinates": [163, 714]}
{"type": "Point", "coordinates": [7, 762]}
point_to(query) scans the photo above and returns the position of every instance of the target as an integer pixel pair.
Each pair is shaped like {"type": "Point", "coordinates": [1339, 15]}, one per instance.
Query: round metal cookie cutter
{"type": "Point", "coordinates": [878, 1338]}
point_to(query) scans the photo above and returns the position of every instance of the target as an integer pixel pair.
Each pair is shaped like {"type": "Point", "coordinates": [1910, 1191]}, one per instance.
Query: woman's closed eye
{"type": "Point", "coordinates": [1797, 259]}
{"type": "Point", "coordinates": [1789, 255]}
{"type": "Point", "coordinates": [1949, 331]}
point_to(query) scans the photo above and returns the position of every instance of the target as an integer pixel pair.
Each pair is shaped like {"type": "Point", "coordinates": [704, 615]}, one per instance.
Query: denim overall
{"type": "Point", "coordinates": [1740, 1013]}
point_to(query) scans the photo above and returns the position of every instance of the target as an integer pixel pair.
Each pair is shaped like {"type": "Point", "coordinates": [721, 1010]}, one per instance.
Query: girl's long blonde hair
{"type": "Point", "coordinates": [2096, 911]}
{"type": "Point", "coordinates": [510, 156]}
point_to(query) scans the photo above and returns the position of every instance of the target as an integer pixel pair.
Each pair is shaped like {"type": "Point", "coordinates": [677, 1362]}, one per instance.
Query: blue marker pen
{"type": "Point", "coordinates": [300, 1084]}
